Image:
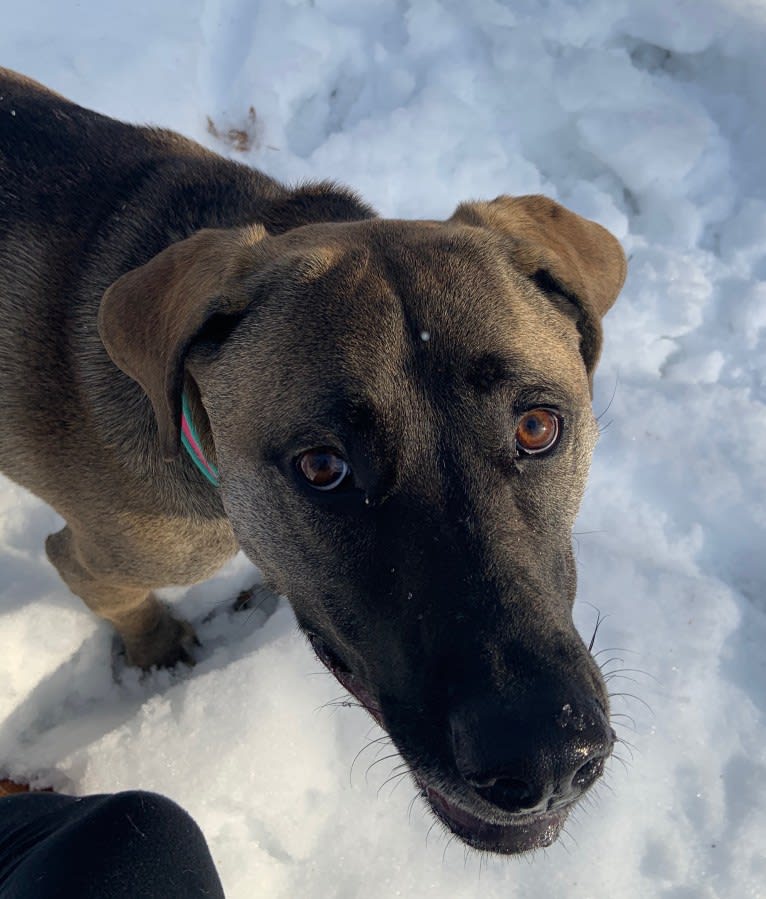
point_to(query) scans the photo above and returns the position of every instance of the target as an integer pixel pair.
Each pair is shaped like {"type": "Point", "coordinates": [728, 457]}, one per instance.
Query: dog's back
{"type": "Point", "coordinates": [68, 169]}
{"type": "Point", "coordinates": [84, 198]}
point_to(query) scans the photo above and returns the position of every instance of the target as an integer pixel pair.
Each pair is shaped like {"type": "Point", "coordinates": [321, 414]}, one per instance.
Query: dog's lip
{"type": "Point", "coordinates": [354, 686]}
{"type": "Point", "coordinates": [524, 833]}
{"type": "Point", "coordinates": [345, 677]}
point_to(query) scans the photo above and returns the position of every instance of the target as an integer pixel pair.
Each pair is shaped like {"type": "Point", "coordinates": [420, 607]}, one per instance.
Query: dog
{"type": "Point", "coordinates": [391, 418]}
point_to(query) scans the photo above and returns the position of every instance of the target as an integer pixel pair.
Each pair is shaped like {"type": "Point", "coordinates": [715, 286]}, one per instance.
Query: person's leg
{"type": "Point", "coordinates": [131, 845]}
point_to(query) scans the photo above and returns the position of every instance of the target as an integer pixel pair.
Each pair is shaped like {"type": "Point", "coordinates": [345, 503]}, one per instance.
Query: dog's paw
{"type": "Point", "coordinates": [170, 642]}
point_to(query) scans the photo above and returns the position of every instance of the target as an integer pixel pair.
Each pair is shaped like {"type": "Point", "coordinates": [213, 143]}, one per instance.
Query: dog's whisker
{"type": "Point", "coordinates": [563, 842]}
{"type": "Point", "coordinates": [586, 804]}
{"type": "Point", "coordinates": [631, 747]}
{"type": "Point", "coordinates": [595, 796]}
{"type": "Point", "coordinates": [344, 701]}
{"type": "Point", "coordinates": [608, 661]}
{"type": "Point", "coordinates": [635, 698]}
{"type": "Point", "coordinates": [630, 752]}
{"type": "Point", "coordinates": [444, 853]}
{"type": "Point", "coordinates": [411, 806]}
{"type": "Point", "coordinates": [600, 619]}
{"type": "Point", "coordinates": [630, 718]}
{"type": "Point", "coordinates": [611, 398]}
{"type": "Point", "coordinates": [617, 675]}
{"type": "Point", "coordinates": [634, 671]}
{"type": "Point", "coordinates": [402, 779]}
{"type": "Point", "coordinates": [614, 649]}
{"type": "Point", "coordinates": [379, 761]}
{"type": "Point", "coordinates": [331, 703]}
{"type": "Point", "coordinates": [397, 777]}
{"type": "Point", "coordinates": [621, 760]}
{"type": "Point", "coordinates": [381, 748]}
{"type": "Point", "coordinates": [428, 832]}
{"type": "Point", "coordinates": [371, 743]}
{"type": "Point", "coordinates": [576, 820]}
{"type": "Point", "coordinates": [342, 704]}
{"type": "Point", "coordinates": [335, 707]}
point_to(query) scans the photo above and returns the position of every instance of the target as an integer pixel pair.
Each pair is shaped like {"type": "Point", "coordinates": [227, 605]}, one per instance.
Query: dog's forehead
{"type": "Point", "coordinates": [385, 297]}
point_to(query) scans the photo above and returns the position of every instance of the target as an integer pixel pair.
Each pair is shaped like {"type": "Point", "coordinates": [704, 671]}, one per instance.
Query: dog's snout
{"type": "Point", "coordinates": [512, 794]}
{"type": "Point", "coordinates": [523, 762]}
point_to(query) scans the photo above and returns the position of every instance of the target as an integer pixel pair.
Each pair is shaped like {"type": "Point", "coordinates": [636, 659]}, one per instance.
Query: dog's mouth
{"type": "Point", "coordinates": [523, 833]}
{"type": "Point", "coordinates": [526, 832]}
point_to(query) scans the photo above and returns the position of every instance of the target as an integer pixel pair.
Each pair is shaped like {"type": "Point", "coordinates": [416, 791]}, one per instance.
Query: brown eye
{"type": "Point", "coordinates": [323, 468]}
{"type": "Point", "coordinates": [537, 431]}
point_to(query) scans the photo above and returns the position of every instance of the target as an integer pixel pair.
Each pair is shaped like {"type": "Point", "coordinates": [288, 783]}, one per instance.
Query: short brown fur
{"type": "Point", "coordinates": [135, 264]}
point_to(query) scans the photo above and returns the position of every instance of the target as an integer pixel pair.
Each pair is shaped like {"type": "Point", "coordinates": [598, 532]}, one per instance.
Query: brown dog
{"type": "Point", "coordinates": [398, 412]}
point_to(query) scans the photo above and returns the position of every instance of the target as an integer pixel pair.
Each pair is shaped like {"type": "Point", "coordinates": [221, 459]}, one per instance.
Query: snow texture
{"type": "Point", "coordinates": [647, 115]}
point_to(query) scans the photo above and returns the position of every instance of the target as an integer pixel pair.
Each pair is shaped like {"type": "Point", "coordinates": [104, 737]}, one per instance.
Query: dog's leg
{"type": "Point", "coordinates": [108, 585]}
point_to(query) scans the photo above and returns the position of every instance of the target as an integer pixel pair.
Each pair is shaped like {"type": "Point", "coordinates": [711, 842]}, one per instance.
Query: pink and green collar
{"type": "Point", "coordinates": [193, 445]}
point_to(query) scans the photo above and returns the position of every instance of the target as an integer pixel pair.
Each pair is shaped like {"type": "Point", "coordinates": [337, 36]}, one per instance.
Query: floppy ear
{"type": "Point", "coordinates": [562, 253]}
{"type": "Point", "coordinates": [149, 317]}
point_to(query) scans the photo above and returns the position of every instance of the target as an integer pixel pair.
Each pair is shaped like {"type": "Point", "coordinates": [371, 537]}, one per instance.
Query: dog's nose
{"type": "Point", "coordinates": [529, 762]}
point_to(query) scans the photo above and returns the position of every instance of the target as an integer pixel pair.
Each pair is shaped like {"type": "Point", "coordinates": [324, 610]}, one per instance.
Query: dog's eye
{"type": "Point", "coordinates": [323, 468]}
{"type": "Point", "coordinates": [537, 431]}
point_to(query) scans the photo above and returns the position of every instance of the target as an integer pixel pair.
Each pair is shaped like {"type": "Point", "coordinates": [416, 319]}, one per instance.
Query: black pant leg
{"type": "Point", "coordinates": [132, 845]}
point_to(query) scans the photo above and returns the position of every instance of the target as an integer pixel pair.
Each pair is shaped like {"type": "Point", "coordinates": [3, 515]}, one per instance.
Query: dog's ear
{"type": "Point", "coordinates": [563, 253]}
{"type": "Point", "coordinates": [149, 317]}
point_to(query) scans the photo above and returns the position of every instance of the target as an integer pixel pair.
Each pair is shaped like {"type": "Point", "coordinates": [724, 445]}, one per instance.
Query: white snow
{"type": "Point", "coordinates": [648, 115]}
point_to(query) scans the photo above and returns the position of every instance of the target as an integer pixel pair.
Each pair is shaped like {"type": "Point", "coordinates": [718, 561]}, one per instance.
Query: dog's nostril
{"type": "Point", "coordinates": [588, 772]}
{"type": "Point", "coordinates": [510, 794]}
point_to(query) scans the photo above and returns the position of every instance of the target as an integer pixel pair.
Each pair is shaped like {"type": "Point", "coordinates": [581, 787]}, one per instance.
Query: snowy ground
{"type": "Point", "coordinates": [648, 115]}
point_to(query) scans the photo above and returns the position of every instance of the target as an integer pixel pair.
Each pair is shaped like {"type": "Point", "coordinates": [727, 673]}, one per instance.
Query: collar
{"type": "Point", "coordinates": [193, 445]}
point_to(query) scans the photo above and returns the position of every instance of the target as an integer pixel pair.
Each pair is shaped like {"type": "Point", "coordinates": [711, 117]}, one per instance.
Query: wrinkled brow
{"type": "Point", "coordinates": [492, 372]}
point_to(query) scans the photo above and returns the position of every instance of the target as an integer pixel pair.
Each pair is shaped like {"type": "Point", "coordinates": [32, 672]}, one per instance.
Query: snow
{"type": "Point", "coordinates": [648, 115]}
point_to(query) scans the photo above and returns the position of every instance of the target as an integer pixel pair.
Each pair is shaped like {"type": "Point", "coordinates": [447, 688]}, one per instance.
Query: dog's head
{"type": "Point", "coordinates": [401, 417]}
